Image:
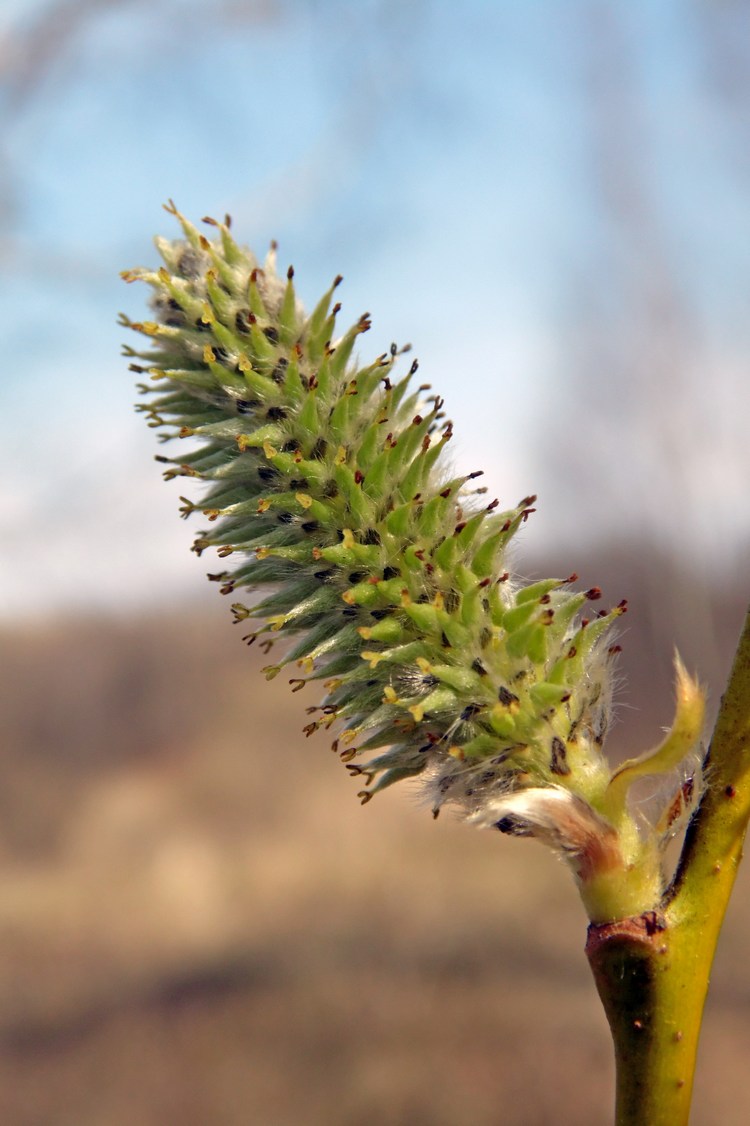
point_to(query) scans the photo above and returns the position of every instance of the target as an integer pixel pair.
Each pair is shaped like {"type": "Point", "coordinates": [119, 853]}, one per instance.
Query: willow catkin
{"type": "Point", "coordinates": [350, 547]}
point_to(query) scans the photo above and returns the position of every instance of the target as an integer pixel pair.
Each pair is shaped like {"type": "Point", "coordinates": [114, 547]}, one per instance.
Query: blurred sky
{"type": "Point", "coordinates": [548, 200]}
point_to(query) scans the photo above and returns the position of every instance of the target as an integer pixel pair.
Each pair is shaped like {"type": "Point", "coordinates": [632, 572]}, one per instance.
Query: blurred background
{"type": "Point", "coordinates": [198, 923]}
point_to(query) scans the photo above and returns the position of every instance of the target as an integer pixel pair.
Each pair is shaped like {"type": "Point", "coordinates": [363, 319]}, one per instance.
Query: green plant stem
{"type": "Point", "coordinates": [652, 971]}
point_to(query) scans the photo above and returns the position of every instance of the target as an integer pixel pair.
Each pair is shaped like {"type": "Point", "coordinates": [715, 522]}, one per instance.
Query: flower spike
{"type": "Point", "coordinates": [386, 577]}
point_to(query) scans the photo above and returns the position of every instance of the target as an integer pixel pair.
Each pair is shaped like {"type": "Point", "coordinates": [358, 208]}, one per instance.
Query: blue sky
{"type": "Point", "coordinates": [449, 162]}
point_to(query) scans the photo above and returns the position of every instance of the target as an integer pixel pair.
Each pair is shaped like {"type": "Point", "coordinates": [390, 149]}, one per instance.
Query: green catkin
{"type": "Point", "coordinates": [325, 483]}
{"type": "Point", "coordinates": [327, 489]}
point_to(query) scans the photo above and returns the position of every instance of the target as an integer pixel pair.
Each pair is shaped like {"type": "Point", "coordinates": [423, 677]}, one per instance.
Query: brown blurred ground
{"type": "Point", "coordinates": [199, 925]}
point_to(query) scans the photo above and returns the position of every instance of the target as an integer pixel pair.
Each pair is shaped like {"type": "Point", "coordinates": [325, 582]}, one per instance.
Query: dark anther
{"type": "Point", "coordinates": [357, 577]}
{"type": "Point", "coordinates": [319, 449]}
{"type": "Point", "coordinates": [478, 667]}
{"type": "Point", "coordinates": [268, 473]}
{"type": "Point", "coordinates": [444, 641]}
{"type": "Point", "coordinates": [371, 537]}
{"type": "Point", "coordinates": [174, 317]}
{"type": "Point", "coordinates": [451, 601]}
{"type": "Point", "coordinates": [276, 414]}
{"type": "Point", "coordinates": [349, 612]}
{"type": "Point", "coordinates": [593, 593]}
{"type": "Point", "coordinates": [470, 711]}
{"type": "Point", "coordinates": [240, 320]}
{"type": "Point", "coordinates": [330, 489]}
{"type": "Point", "coordinates": [277, 375]}
{"type": "Point", "coordinates": [285, 518]}
{"type": "Point", "coordinates": [244, 406]}
{"type": "Point", "coordinates": [390, 573]}
{"type": "Point", "coordinates": [559, 761]}
{"type": "Point", "coordinates": [378, 615]}
{"type": "Point", "coordinates": [271, 334]}
{"type": "Point", "coordinates": [310, 526]}
{"type": "Point", "coordinates": [290, 447]}
{"type": "Point", "coordinates": [324, 576]}
{"type": "Point", "coordinates": [505, 696]}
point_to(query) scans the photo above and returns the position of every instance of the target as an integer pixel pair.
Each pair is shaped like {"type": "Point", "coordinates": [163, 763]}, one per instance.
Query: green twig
{"type": "Point", "coordinates": [652, 971]}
